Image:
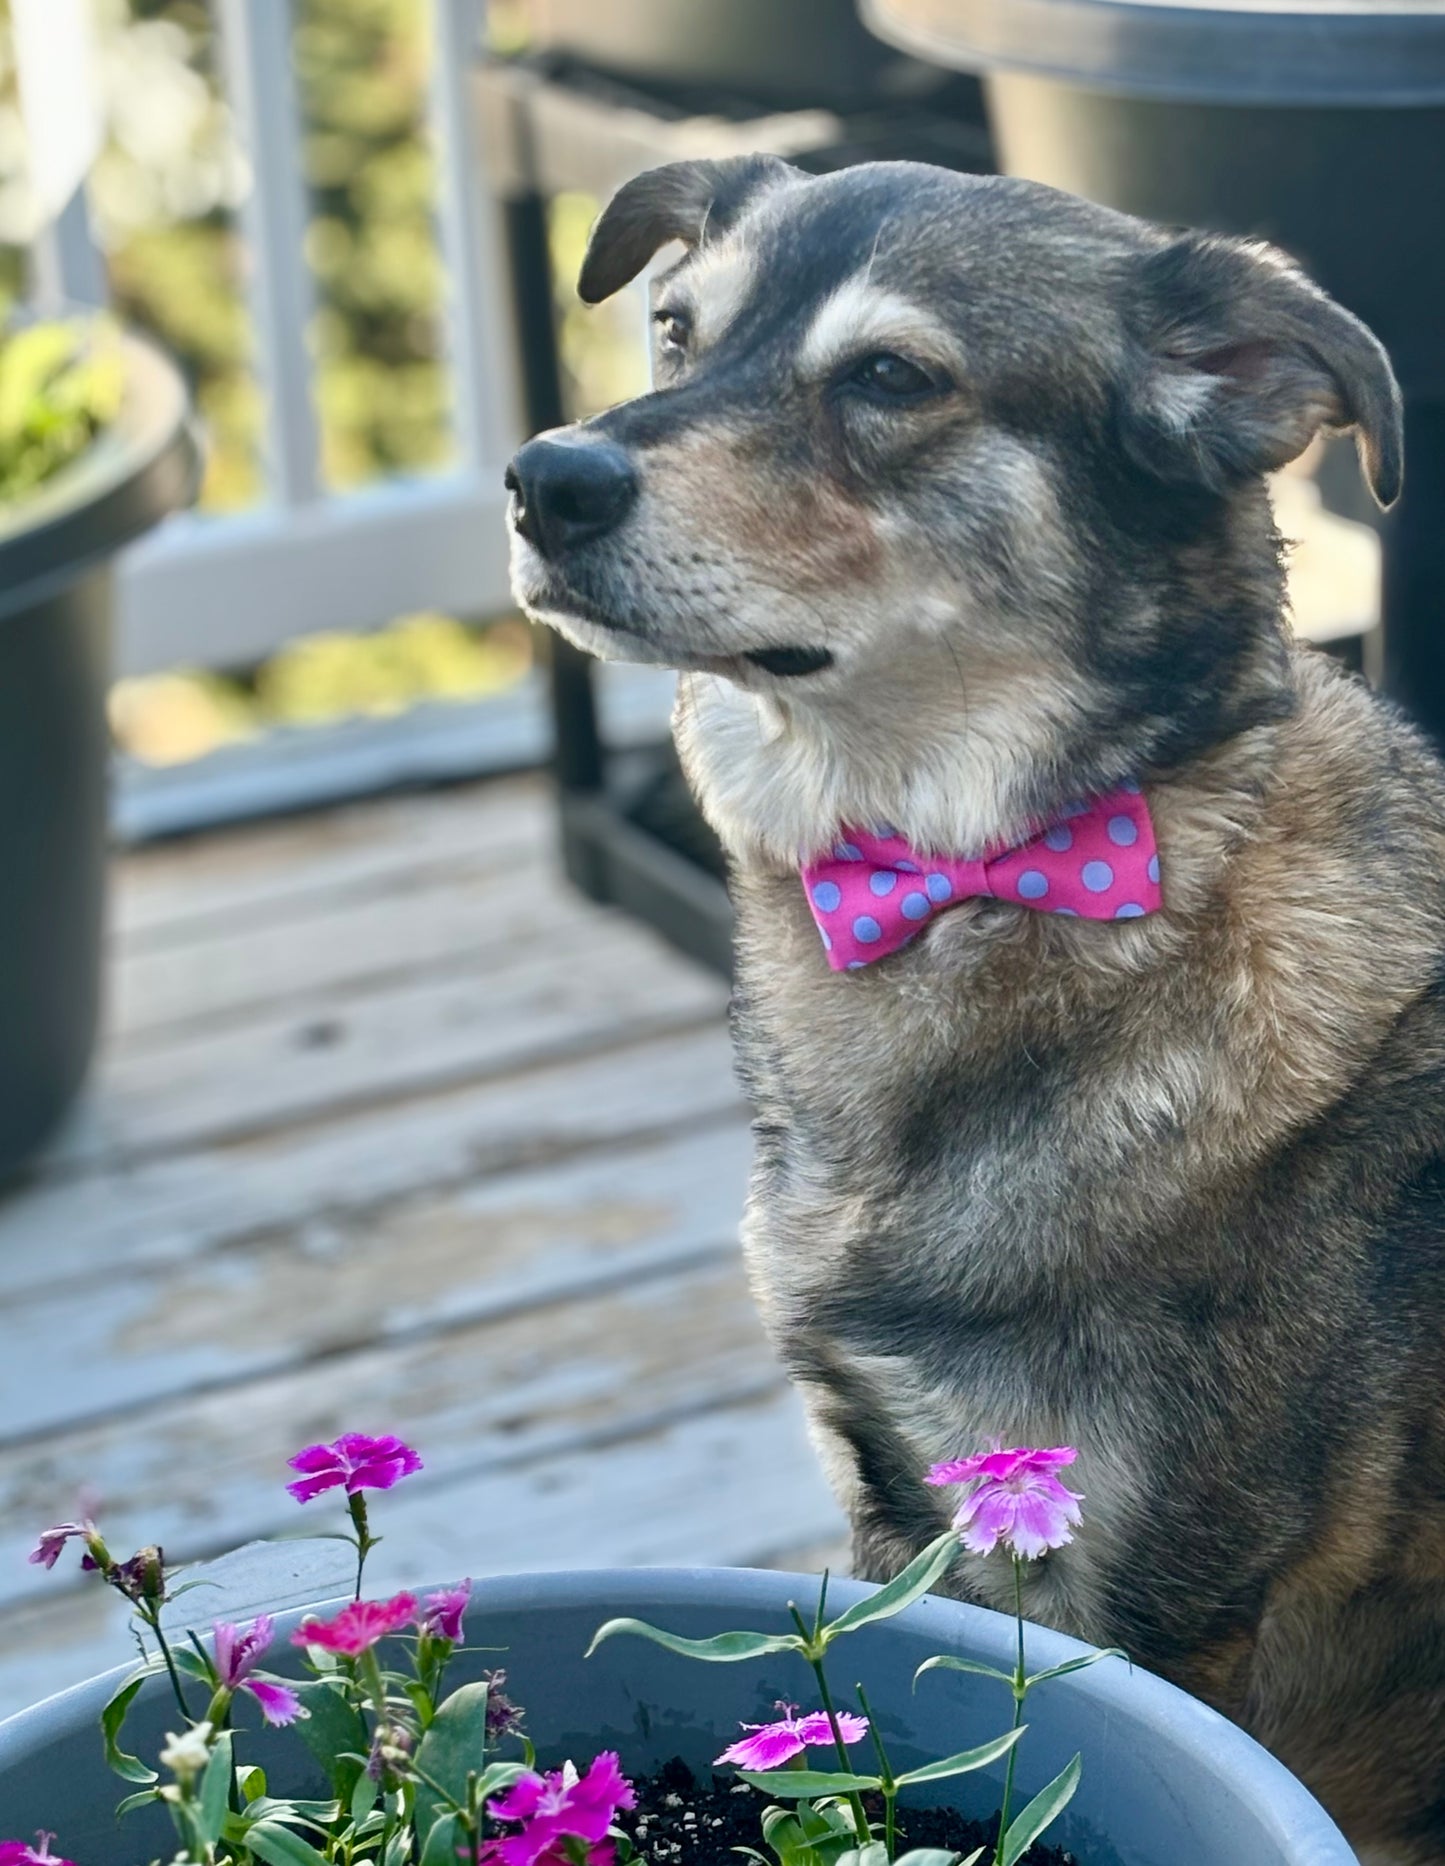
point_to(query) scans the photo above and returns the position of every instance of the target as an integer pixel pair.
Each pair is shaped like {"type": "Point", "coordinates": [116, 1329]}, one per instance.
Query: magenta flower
{"type": "Point", "coordinates": [356, 1460]}
{"type": "Point", "coordinates": [442, 1617]}
{"type": "Point", "coordinates": [47, 1552]}
{"type": "Point", "coordinates": [357, 1628]}
{"type": "Point", "coordinates": [773, 1744]}
{"type": "Point", "coordinates": [561, 1806]}
{"type": "Point", "coordinates": [17, 1853]}
{"type": "Point", "coordinates": [237, 1654]}
{"type": "Point", "coordinates": [1015, 1498]}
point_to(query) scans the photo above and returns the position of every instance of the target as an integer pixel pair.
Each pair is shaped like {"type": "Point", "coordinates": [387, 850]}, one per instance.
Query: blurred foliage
{"type": "Point", "coordinates": [170, 718]}
{"type": "Point", "coordinates": [602, 348]}
{"type": "Point", "coordinates": [13, 198]}
{"type": "Point", "coordinates": [364, 69]}
{"type": "Point", "coordinates": [163, 200]}
{"type": "Point", "coordinates": [60, 383]}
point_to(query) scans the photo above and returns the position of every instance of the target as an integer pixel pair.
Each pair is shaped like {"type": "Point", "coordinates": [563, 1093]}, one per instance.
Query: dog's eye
{"type": "Point", "coordinates": [892, 378]}
{"type": "Point", "coordinates": [672, 331]}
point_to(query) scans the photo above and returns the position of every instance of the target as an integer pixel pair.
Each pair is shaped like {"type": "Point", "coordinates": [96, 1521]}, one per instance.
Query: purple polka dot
{"type": "Point", "coordinates": [846, 852]}
{"type": "Point", "coordinates": [885, 831]}
{"type": "Point", "coordinates": [1153, 869]}
{"type": "Point", "coordinates": [1059, 838]}
{"type": "Point", "coordinates": [1032, 885]}
{"type": "Point", "coordinates": [827, 896]}
{"type": "Point", "coordinates": [1131, 910]}
{"type": "Point", "coordinates": [1071, 913]}
{"type": "Point", "coordinates": [866, 929]}
{"type": "Point", "coordinates": [1075, 808]}
{"type": "Point", "coordinates": [906, 868]}
{"type": "Point", "coordinates": [939, 887]}
{"type": "Point", "coordinates": [1131, 785]}
{"type": "Point", "coordinates": [1096, 876]}
{"type": "Point", "coordinates": [1123, 831]}
{"type": "Point", "coordinates": [914, 906]}
{"type": "Point", "coordinates": [856, 965]}
{"type": "Point", "coordinates": [883, 881]}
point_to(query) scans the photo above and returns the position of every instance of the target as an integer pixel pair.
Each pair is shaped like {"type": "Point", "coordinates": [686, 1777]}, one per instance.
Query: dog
{"type": "Point", "coordinates": [948, 504]}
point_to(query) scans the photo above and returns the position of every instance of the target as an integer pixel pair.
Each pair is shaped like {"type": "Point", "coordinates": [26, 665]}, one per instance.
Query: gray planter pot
{"type": "Point", "coordinates": [1166, 1781]}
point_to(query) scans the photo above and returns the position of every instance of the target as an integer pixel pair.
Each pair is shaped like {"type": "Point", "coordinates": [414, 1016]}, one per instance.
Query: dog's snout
{"type": "Point", "coordinates": [564, 492]}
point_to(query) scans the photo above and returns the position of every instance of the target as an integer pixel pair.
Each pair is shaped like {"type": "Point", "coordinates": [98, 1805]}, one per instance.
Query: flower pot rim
{"type": "Point", "coordinates": [1347, 53]}
{"type": "Point", "coordinates": [1198, 1735]}
{"type": "Point", "coordinates": [143, 465]}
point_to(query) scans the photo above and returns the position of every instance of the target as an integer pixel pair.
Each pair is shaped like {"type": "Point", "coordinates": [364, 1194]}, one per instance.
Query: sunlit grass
{"type": "Point", "coordinates": [316, 680]}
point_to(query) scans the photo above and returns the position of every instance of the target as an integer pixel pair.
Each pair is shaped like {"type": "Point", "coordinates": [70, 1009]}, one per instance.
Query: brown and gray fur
{"type": "Point", "coordinates": [1172, 1189]}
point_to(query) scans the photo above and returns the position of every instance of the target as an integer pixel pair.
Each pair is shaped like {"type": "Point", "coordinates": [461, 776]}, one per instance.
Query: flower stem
{"type": "Point", "coordinates": [356, 1505]}
{"type": "Point", "coordinates": [845, 1761]}
{"type": "Point", "coordinates": [150, 1613]}
{"type": "Point", "coordinates": [1020, 1690]}
{"type": "Point", "coordinates": [885, 1776]}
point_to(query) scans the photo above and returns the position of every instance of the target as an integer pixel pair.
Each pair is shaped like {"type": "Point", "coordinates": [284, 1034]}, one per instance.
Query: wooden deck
{"type": "Point", "coordinates": [390, 1131]}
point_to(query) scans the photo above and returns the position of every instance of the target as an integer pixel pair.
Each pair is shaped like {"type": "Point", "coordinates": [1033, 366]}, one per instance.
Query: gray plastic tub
{"type": "Point", "coordinates": [1166, 1781]}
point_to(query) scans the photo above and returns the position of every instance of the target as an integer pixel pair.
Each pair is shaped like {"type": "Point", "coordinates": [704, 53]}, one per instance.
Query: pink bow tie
{"type": "Point", "coordinates": [873, 893]}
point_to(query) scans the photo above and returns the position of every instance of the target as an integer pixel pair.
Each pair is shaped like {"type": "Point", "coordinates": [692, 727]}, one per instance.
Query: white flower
{"type": "Point", "coordinates": [185, 1756]}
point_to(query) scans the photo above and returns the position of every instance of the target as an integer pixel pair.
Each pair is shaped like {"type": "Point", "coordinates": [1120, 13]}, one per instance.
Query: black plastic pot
{"type": "Point", "coordinates": [1166, 1782]}
{"type": "Point", "coordinates": [56, 555]}
{"type": "Point", "coordinates": [1319, 127]}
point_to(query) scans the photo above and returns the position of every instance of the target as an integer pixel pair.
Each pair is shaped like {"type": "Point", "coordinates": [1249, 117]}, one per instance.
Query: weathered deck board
{"type": "Point", "coordinates": [165, 1210]}
{"type": "Point", "coordinates": [174, 891]}
{"type": "Point", "coordinates": [435, 1261]}
{"type": "Point", "coordinates": [574, 990]}
{"type": "Point", "coordinates": [390, 1131]}
{"type": "Point", "coordinates": [493, 1395]}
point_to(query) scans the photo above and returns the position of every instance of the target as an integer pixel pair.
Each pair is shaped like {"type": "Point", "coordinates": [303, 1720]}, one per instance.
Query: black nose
{"type": "Point", "coordinates": [566, 491]}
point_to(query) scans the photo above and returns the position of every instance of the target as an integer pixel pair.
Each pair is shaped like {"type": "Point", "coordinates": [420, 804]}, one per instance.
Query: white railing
{"type": "Point", "coordinates": [226, 590]}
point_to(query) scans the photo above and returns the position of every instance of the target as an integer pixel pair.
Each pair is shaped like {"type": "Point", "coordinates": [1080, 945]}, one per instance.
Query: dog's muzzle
{"type": "Point", "coordinates": [565, 492]}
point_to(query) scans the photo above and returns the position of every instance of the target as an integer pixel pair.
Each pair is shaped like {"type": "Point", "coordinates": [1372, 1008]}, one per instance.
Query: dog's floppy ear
{"type": "Point", "coordinates": [680, 201]}
{"type": "Point", "coordinates": [1244, 361]}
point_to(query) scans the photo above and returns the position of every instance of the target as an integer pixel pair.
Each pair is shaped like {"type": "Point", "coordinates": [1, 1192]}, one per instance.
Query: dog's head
{"type": "Point", "coordinates": [955, 480]}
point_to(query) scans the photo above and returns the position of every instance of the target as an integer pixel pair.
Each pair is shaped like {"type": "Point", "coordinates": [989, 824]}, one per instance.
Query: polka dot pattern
{"type": "Point", "coordinates": [1097, 861]}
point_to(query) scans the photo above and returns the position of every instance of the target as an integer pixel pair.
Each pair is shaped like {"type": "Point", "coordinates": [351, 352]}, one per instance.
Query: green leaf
{"type": "Point", "coordinates": [498, 1776]}
{"type": "Point", "coordinates": [935, 1856]}
{"type": "Point", "coordinates": [215, 1798]}
{"type": "Point", "coordinates": [334, 1733]}
{"type": "Point", "coordinates": [455, 1744]}
{"type": "Point", "coordinates": [922, 1573]}
{"type": "Point", "coordinates": [278, 1846]}
{"type": "Point", "coordinates": [945, 1662]}
{"type": "Point", "coordinates": [792, 1784]}
{"type": "Point", "coordinates": [112, 1719]}
{"type": "Point", "coordinates": [132, 1802]}
{"type": "Point", "coordinates": [318, 1814]}
{"type": "Point", "coordinates": [193, 1665]}
{"type": "Point", "coordinates": [251, 1780]}
{"type": "Point", "coordinates": [776, 1820]}
{"type": "Point", "coordinates": [447, 1836]}
{"type": "Point", "coordinates": [364, 1796]}
{"type": "Point", "coordinates": [1077, 1665]}
{"type": "Point", "coordinates": [973, 1858]}
{"type": "Point", "coordinates": [965, 1760]}
{"type": "Point", "coordinates": [721, 1649]}
{"type": "Point", "coordinates": [824, 1820]}
{"type": "Point", "coordinates": [874, 1854]}
{"type": "Point", "coordinates": [1045, 1808]}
